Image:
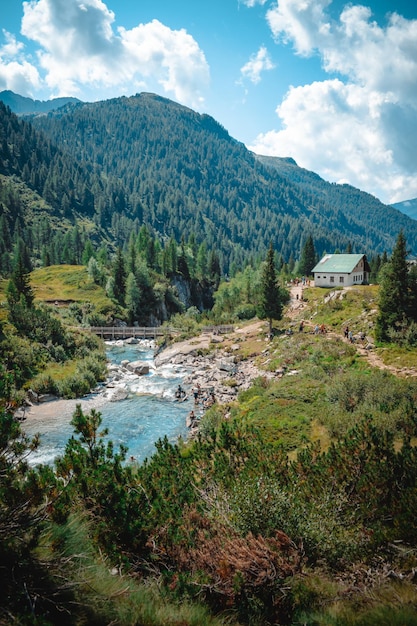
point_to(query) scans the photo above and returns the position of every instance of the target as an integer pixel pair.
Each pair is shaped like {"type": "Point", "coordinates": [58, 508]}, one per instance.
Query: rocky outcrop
{"type": "Point", "coordinates": [217, 371]}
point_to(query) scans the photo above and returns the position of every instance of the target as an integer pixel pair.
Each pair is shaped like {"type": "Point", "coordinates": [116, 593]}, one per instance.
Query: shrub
{"type": "Point", "coordinates": [245, 311]}
{"type": "Point", "coordinates": [74, 386]}
{"type": "Point", "coordinates": [44, 383]}
{"type": "Point", "coordinates": [263, 506]}
{"type": "Point", "coordinates": [247, 573]}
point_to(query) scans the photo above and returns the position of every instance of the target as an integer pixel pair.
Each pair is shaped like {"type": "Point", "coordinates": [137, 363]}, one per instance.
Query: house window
{"type": "Point", "coordinates": [332, 279]}
{"type": "Point", "coordinates": [341, 279]}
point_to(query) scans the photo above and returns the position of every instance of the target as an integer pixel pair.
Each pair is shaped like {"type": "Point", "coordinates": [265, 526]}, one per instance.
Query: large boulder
{"type": "Point", "coordinates": [119, 393]}
{"type": "Point", "coordinates": [140, 368]}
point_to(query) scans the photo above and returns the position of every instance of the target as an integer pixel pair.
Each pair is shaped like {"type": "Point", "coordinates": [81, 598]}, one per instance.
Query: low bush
{"type": "Point", "coordinates": [44, 383]}
{"type": "Point", "coordinates": [245, 312]}
{"type": "Point", "coordinates": [74, 386]}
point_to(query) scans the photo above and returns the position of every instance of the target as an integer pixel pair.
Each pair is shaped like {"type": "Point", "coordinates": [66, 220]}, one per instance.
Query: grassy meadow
{"type": "Point", "coordinates": [321, 448]}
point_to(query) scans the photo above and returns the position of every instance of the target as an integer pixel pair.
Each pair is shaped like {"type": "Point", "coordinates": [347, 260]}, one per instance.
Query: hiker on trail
{"type": "Point", "coordinates": [316, 329]}
{"type": "Point", "coordinates": [346, 332]}
{"type": "Point", "coordinates": [351, 337]}
{"type": "Point", "coordinates": [301, 327]}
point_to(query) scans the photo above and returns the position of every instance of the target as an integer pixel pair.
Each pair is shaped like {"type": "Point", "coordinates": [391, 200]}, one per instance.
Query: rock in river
{"type": "Point", "coordinates": [140, 368]}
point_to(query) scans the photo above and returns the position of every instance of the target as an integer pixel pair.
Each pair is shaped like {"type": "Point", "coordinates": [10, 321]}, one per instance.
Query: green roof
{"type": "Point", "coordinates": [338, 263]}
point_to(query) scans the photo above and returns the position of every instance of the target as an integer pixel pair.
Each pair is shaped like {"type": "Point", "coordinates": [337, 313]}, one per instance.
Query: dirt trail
{"type": "Point", "coordinates": [295, 311]}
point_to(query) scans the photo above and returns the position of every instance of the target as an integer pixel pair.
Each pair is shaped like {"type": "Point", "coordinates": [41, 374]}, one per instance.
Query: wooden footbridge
{"type": "Point", "coordinates": [125, 332]}
{"type": "Point", "coordinates": [147, 332]}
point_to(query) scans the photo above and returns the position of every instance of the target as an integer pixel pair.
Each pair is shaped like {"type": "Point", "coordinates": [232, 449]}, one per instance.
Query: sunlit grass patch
{"type": "Point", "coordinates": [324, 601]}
{"type": "Point", "coordinates": [68, 283]}
{"type": "Point", "coordinates": [398, 356]}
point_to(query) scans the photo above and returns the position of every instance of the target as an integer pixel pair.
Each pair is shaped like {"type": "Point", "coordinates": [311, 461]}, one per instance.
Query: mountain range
{"type": "Point", "coordinates": [120, 163]}
{"type": "Point", "coordinates": [22, 105]}
{"type": "Point", "coordinates": [408, 207]}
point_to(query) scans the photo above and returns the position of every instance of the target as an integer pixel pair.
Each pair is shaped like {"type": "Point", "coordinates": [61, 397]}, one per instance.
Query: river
{"type": "Point", "coordinates": [149, 412]}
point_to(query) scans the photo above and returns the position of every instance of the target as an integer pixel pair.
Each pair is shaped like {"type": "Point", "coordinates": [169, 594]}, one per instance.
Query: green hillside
{"type": "Point", "coordinates": [182, 173]}
{"type": "Point", "coordinates": [294, 505]}
{"type": "Point", "coordinates": [100, 172]}
{"type": "Point", "coordinates": [68, 283]}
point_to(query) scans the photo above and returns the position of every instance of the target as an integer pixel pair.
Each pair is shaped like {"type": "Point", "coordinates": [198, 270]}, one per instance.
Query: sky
{"type": "Point", "coordinates": [329, 83]}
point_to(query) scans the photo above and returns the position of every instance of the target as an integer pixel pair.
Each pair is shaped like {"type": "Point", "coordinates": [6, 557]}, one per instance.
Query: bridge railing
{"type": "Point", "coordinates": [148, 332]}
{"type": "Point", "coordinates": [124, 332]}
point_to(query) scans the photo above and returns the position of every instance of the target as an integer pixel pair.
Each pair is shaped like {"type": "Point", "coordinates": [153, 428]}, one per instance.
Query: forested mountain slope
{"type": "Point", "coordinates": [47, 197]}
{"type": "Point", "coordinates": [183, 173]}
{"type": "Point", "coordinates": [358, 210]}
{"type": "Point", "coordinates": [115, 165]}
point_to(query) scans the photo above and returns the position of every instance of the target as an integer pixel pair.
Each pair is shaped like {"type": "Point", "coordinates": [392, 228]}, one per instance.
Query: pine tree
{"type": "Point", "coordinates": [394, 296]}
{"type": "Point", "coordinates": [182, 262]}
{"type": "Point", "coordinates": [214, 270]}
{"type": "Point", "coordinates": [271, 297]}
{"type": "Point", "coordinates": [88, 252]}
{"type": "Point", "coordinates": [202, 261]}
{"type": "Point", "coordinates": [133, 298]}
{"type": "Point", "coordinates": [308, 257]}
{"type": "Point", "coordinates": [119, 276]}
{"type": "Point", "coordinates": [412, 277]}
{"type": "Point", "coordinates": [5, 236]}
{"type": "Point", "coordinates": [19, 289]}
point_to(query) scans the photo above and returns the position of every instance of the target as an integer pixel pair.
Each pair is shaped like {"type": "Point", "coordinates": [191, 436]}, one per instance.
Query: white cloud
{"type": "Point", "coordinates": [301, 21]}
{"type": "Point", "coordinates": [16, 73]}
{"type": "Point", "coordinates": [79, 50]}
{"type": "Point", "coordinates": [258, 63]}
{"type": "Point", "coordinates": [357, 130]}
{"type": "Point", "coordinates": [12, 47]}
{"type": "Point", "coordinates": [252, 3]}
{"type": "Point", "coordinates": [173, 56]}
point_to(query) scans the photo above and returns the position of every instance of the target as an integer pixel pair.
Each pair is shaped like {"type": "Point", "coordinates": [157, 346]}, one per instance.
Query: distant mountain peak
{"type": "Point", "coordinates": [22, 105]}
{"type": "Point", "coordinates": [408, 207]}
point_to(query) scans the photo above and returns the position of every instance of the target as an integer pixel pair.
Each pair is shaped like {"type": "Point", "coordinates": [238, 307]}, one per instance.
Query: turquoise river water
{"type": "Point", "coordinates": [148, 413]}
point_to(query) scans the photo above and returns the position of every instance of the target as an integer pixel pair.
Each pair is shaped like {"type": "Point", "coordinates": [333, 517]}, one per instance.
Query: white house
{"type": "Point", "coordinates": [341, 270]}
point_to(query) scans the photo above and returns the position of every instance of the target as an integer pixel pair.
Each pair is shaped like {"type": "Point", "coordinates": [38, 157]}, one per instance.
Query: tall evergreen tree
{"type": "Point", "coordinates": [5, 236]}
{"type": "Point", "coordinates": [214, 270]}
{"type": "Point", "coordinates": [133, 298]}
{"type": "Point", "coordinates": [271, 297]}
{"type": "Point", "coordinates": [88, 252]}
{"type": "Point", "coordinates": [412, 278]}
{"type": "Point", "coordinates": [394, 296]}
{"type": "Point", "coordinates": [19, 289]}
{"type": "Point", "coordinates": [308, 257]}
{"type": "Point", "coordinates": [182, 261]}
{"type": "Point", "coordinates": [119, 276]}
{"type": "Point", "coordinates": [202, 261]}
